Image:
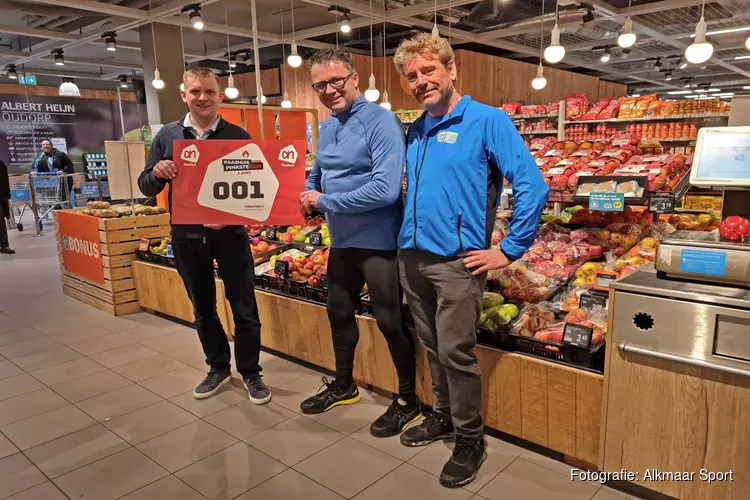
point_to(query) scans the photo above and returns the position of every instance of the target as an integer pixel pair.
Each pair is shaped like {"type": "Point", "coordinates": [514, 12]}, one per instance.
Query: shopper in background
{"type": "Point", "coordinates": [356, 181]}
{"type": "Point", "coordinates": [195, 247]}
{"type": "Point", "coordinates": [4, 209]}
{"type": "Point", "coordinates": [457, 154]}
{"type": "Point", "coordinates": [51, 160]}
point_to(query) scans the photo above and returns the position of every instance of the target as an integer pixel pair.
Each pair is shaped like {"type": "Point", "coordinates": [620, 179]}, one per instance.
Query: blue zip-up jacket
{"type": "Point", "coordinates": [358, 168]}
{"type": "Point", "coordinates": [454, 175]}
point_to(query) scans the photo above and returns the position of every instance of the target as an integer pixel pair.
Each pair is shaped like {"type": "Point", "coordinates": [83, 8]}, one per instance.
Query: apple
{"type": "Point", "coordinates": [313, 281]}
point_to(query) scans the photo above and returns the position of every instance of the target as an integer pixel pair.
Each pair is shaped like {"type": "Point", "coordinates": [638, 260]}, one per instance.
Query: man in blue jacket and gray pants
{"type": "Point", "coordinates": [356, 181]}
{"type": "Point", "coordinates": [457, 154]}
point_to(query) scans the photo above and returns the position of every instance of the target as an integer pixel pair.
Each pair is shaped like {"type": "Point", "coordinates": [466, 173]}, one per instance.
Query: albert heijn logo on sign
{"type": "Point", "coordinates": [288, 156]}
{"type": "Point", "coordinates": [190, 155]}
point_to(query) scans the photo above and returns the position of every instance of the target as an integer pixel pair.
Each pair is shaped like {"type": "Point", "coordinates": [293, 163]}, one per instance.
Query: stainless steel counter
{"type": "Point", "coordinates": [707, 326]}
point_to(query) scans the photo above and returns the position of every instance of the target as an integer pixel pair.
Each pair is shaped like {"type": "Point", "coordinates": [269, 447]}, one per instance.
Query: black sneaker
{"type": "Point", "coordinates": [258, 391]}
{"type": "Point", "coordinates": [396, 419]}
{"type": "Point", "coordinates": [330, 397]}
{"type": "Point", "coordinates": [7, 250]}
{"type": "Point", "coordinates": [463, 466]}
{"type": "Point", "coordinates": [433, 428]}
{"type": "Point", "coordinates": [211, 384]}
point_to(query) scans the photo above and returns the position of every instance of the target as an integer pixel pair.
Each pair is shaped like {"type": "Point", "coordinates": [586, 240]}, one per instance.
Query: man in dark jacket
{"type": "Point", "coordinates": [51, 160]}
{"type": "Point", "coordinates": [4, 209]}
{"type": "Point", "coordinates": [195, 247]}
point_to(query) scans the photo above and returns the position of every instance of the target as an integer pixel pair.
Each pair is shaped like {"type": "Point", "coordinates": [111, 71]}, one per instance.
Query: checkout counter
{"type": "Point", "coordinates": [676, 403]}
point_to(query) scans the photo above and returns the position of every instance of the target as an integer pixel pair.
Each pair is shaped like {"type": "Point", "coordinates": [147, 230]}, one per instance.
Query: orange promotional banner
{"type": "Point", "coordinates": [81, 249]}
{"type": "Point", "coordinates": [238, 182]}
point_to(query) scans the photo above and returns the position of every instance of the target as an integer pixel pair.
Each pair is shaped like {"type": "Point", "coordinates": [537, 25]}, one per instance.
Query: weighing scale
{"type": "Point", "coordinates": [722, 162]}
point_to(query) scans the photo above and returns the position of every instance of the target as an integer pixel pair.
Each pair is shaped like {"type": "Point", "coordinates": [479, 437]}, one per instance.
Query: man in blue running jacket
{"type": "Point", "coordinates": [457, 154]}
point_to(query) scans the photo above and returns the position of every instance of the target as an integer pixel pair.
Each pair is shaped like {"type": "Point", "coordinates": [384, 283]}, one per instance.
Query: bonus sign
{"type": "Point", "coordinates": [236, 182]}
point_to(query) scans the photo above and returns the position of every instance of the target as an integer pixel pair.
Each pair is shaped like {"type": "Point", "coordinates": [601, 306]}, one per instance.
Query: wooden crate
{"type": "Point", "coordinates": [119, 239]}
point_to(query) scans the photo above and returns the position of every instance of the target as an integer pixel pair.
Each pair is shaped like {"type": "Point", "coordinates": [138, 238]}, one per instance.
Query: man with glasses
{"type": "Point", "coordinates": [356, 182]}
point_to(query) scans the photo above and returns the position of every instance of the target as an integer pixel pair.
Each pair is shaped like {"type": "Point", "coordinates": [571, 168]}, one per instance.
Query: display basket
{"type": "Point", "coordinates": [148, 256]}
{"type": "Point", "coordinates": [286, 286]}
{"type": "Point", "coordinates": [317, 294]}
{"type": "Point", "coordinates": [591, 359]}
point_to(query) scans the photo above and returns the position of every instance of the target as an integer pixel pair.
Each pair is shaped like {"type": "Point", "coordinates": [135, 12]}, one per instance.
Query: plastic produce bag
{"type": "Point", "coordinates": [517, 283]}
{"type": "Point", "coordinates": [534, 317]}
{"type": "Point", "coordinates": [496, 317]}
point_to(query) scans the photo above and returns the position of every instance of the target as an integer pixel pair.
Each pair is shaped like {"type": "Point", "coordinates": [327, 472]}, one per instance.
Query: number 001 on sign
{"type": "Point", "coordinates": [238, 182]}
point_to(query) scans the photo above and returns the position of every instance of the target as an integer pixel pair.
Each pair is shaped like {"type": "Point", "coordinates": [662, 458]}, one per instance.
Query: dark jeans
{"type": "Point", "coordinates": [194, 259]}
{"type": "Point", "coordinates": [348, 270]}
{"type": "Point", "coordinates": [4, 243]}
{"type": "Point", "coordinates": [445, 301]}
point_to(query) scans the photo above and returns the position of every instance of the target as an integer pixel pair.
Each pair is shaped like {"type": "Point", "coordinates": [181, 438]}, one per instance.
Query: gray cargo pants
{"type": "Point", "coordinates": [446, 301]}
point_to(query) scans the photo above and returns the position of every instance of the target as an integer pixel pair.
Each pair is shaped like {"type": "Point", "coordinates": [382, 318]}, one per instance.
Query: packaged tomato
{"type": "Point", "coordinates": [510, 108]}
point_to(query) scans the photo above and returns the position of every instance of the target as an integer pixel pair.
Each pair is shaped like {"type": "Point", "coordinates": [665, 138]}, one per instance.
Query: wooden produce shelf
{"type": "Point", "coordinates": [119, 239]}
{"type": "Point", "coordinates": [554, 406]}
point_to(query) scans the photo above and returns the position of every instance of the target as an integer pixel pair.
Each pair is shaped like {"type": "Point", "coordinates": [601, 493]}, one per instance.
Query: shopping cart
{"type": "Point", "coordinates": [41, 193]}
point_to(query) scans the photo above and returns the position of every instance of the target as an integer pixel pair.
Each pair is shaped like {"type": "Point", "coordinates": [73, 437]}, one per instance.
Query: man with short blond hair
{"type": "Point", "coordinates": [457, 154]}
{"type": "Point", "coordinates": [196, 247]}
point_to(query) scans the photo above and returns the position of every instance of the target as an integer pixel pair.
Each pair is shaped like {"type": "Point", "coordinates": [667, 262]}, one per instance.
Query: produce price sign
{"type": "Point", "coordinates": [607, 202]}
{"type": "Point", "coordinates": [588, 301]}
{"type": "Point", "coordinates": [577, 335]}
{"type": "Point", "coordinates": [238, 182]}
{"type": "Point", "coordinates": [661, 204]}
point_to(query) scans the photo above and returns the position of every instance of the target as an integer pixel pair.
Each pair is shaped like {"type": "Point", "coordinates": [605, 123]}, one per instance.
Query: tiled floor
{"type": "Point", "coordinates": [94, 407]}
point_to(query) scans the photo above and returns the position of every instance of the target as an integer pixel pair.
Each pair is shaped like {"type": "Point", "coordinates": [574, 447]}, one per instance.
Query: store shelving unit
{"type": "Point", "coordinates": [653, 118]}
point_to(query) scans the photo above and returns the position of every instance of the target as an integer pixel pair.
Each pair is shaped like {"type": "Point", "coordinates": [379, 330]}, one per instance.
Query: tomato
{"type": "Point", "coordinates": [733, 228]}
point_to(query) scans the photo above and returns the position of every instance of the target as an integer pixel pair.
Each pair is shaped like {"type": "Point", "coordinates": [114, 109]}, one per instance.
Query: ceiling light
{"type": "Point", "coordinates": [294, 60]}
{"type": "Point", "coordinates": [725, 94]}
{"type": "Point", "coordinates": [385, 103]}
{"type": "Point", "coordinates": [668, 76]}
{"type": "Point", "coordinates": [588, 17]}
{"type": "Point", "coordinates": [231, 91]}
{"type": "Point", "coordinates": [714, 90]}
{"type": "Point", "coordinates": [555, 52]}
{"type": "Point", "coordinates": [372, 93]}
{"type": "Point", "coordinates": [658, 63]}
{"type": "Point", "coordinates": [683, 65]}
{"type": "Point", "coordinates": [627, 39]}
{"type": "Point", "coordinates": [687, 83]}
{"type": "Point", "coordinates": [157, 82]}
{"type": "Point", "coordinates": [606, 56]}
{"type": "Point", "coordinates": [747, 43]}
{"type": "Point", "coordinates": [262, 99]}
{"type": "Point", "coordinates": [12, 73]}
{"type": "Point", "coordinates": [59, 58]}
{"type": "Point", "coordinates": [635, 95]}
{"type": "Point", "coordinates": [746, 87]}
{"type": "Point", "coordinates": [68, 89]}
{"type": "Point", "coordinates": [700, 51]}
{"type": "Point", "coordinates": [111, 42]}
{"type": "Point", "coordinates": [741, 57]}
{"type": "Point", "coordinates": [196, 19]}
{"type": "Point", "coordinates": [624, 53]}
{"type": "Point", "coordinates": [232, 61]}
{"type": "Point", "coordinates": [286, 103]}
{"type": "Point", "coordinates": [701, 91]}
{"type": "Point", "coordinates": [345, 26]}
{"type": "Point", "coordinates": [124, 81]}
{"type": "Point", "coordinates": [679, 92]}
{"type": "Point", "coordinates": [539, 82]}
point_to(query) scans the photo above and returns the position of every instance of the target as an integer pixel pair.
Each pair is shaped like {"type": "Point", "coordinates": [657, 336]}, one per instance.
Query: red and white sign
{"type": "Point", "coordinates": [236, 182]}
{"type": "Point", "coordinates": [81, 249]}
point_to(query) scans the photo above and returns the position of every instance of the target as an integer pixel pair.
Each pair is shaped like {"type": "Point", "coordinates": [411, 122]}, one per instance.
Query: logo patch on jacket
{"type": "Point", "coordinates": [447, 137]}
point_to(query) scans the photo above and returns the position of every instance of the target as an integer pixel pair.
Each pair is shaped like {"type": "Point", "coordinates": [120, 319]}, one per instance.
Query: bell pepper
{"type": "Point", "coordinates": [733, 228]}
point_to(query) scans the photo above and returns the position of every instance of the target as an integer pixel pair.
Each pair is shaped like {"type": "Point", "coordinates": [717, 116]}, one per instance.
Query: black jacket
{"type": "Point", "coordinates": [162, 149]}
{"type": "Point", "coordinates": [4, 192]}
{"type": "Point", "coordinates": [60, 161]}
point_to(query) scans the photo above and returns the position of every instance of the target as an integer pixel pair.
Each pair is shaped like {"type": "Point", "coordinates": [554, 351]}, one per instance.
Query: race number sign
{"type": "Point", "coordinates": [237, 182]}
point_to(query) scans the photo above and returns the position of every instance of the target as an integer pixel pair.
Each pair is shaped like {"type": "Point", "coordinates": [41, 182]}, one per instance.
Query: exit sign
{"type": "Point", "coordinates": [27, 80]}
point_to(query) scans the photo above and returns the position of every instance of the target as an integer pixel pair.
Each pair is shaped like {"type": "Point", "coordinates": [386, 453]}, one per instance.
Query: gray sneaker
{"type": "Point", "coordinates": [259, 392]}
{"type": "Point", "coordinates": [211, 384]}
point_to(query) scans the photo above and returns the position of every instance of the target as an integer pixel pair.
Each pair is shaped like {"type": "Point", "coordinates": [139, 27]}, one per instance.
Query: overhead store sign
{"type": "Point", "coordinates": [238, 182]}
{"type": "Point", "coordinates": [81, 248]}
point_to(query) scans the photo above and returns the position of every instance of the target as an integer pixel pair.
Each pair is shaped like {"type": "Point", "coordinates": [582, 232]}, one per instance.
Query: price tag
{"type": "Point", "coordinates": [661, 204]}
{"type": "Point", "coordinates": [170, 253]}
{"type": "Point", "coordinates": [607, 202]}
{"type": "Point", "coordinates": [324, 281]}
{"type": "Point", "coordinates": [537, 146]}
{"type": "Point", "coordinates": [554, 152]}
{"type": "Point", "coordinates": [588, 301]}
{"type": "Point", "coordinates": [577, 335]}
{"type": "Point", "coordinates": [596, 164]}
{"type": "Point", "coordinates": [271, 233]}
{"type": "Point", "coordinates": [610, 154]}
{"type": "Point", "coordinates": [565, 162]}
{"type": "Point", "coordinates": [620, 142]}
{"type": "Point", "coordinates": [630, 169]}
{"type": "Point", "coordinates": [281, 268]}
{"type": "Point", "coordinates": [316, 239]}
{"type": "Point", "coordinates": [585, 152]}
{"type": "Point", "coordinates": [144, 245]}
{"type": "Point", "coordinates": [603, 279]}
{"type": "Point", "coordinates": [556, 171]}
{"type": "Point", "coordinates": [540, 162]}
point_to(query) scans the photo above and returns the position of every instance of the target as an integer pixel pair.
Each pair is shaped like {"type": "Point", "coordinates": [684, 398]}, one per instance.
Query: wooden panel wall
{"type": "Point", "coordinates": [110, 95]}
{"type": "Point", "coordinates": [488, 79]}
